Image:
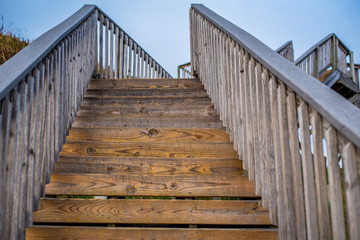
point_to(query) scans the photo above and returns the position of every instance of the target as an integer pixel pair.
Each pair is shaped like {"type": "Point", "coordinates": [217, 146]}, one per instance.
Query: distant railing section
{"type": "Point", "coordinates": [287, 51]}
{"type": "Point", "coordinates": [184, 71]}
{"type": "Point", "coordinates": [298, 139]}
{"type": "Point", "coordinates": [120, 56]}
{"type": "Point", "coordinates": [41, 89]}
{"type": "Point", "coordinates": [328, 54]}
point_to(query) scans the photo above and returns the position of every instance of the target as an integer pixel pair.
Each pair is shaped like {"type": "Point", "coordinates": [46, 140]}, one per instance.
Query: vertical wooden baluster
{"type": "Point", "coordinates": [267, 128]}
{"type": "Point", "coordinates": [131, 45]}
{"type": "Point", "coordinates": [68, 86]}
{"type": "Point", "coordinates": [17, 162]}
{"type": "Point", "coordinates": [126, 44]}
{"type": "Point", "coordinates": [308, 173]}
{"type": "Point", "coordinates": [286, 164]}
{"type": "Point", "coordinates": [106, 48]}
{"type": "Point", "coordinates": [146, 66]}
{"type": "Point", "coordinates": [249, 122]}
{"type": "Point", "coordinates": [233, 88]}
{"type": "Point", "coordinates": [111, 65]}
{"type": "Point", "coordinates": [121, 54]}
{"type": "Point", "coordinates": [117, 53]}
{"type": "Point", "coordinates": [261, 150]}
{"type": "Point", "coordinates": [142, 63]}
{"type": "Point", "coordinates": [153, 68]}
{"type": "Point", "coordinates": [134, 61]}
{"type": "Point", "coordinates": [352, 190]}
{"type": "Point", "coordinates": [24, 172]}
{"type": "Point", "coordinates": [322, 205]}
{"type": "Point", "coordinates": [101, 66]}
{"type": "Point", "coordinates": [243, 110]}
{"type": "Point", "coordinates": [2, 163]}
{"type": "Point", "coordinates": [8, 121]}
{"type": "Point", "coordinates": [238, 101]}
{"type": "Point", "coordinates": [335, 196]}
{"type": "Point", "coordinates": [254, 126]}
{"type": "Point", "coordinates": [296, 167]}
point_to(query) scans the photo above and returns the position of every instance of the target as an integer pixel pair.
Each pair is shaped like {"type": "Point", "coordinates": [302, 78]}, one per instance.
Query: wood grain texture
{"type": "Point", "coordinates": [151, 211]}
{"type": "Point", "coordinates": [145, 84]}
{"type": "Point", "coordinates": [107, 233]}
{"type": "Point", "coordinates": [145, 185]}
{"type": "Point", "coordinates": [191, 135]}
{"type": "Point", "coordinates": [140, 150]}
{"type": "Point", "coordinates": [148, 166]}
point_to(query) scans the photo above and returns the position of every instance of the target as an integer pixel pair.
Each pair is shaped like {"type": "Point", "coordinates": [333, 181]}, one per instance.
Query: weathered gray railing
{"type": "Point", "coordinates": [184, 71]}
{"type": "Point", "coordinates": [287, 51]}
{"type": "Point", "coordinates": [328, 54]}
{"type": "Point", "coordinates": [41, 89]}
{"type": "Point", "coordinates": [298, 139]}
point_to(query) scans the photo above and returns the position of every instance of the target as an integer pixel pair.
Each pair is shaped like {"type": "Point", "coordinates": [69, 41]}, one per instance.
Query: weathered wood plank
{"type": "Point", "coordinates": [195, 135]}
{"type": "Point", "coordinates": [102, 233]}
{"type": "Point", "coordinates": [140, 150]}
{"type": "Point", "coordinates": [138, 100]}
{"type": "Point", "coordinates": [320, 177]}
{"type": "Point", "coordinates": [139, 185]}
{"type": "Point", "coordinates": [296, 170]}
{"type": "Point", "coordinates": [135, 93]}
{"type": "Point", "coordinates": [148, 166]}
{"type": "Point", "coordinates": [153, 211]}
{"type": "Point", "coordinates": [335, 193]}
{"type": "Point", "coordinates": [352, 190]}
{"type": "Point", "coordinates": [308, 173]}
{"type": "Point", "coordinates": [150, 121]}
{"type": "Point", "coordinates": [144, 84]}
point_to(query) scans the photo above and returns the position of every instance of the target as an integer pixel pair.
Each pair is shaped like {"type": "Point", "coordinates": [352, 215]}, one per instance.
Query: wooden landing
{"type": "Point", "coordinates": [149, 159]}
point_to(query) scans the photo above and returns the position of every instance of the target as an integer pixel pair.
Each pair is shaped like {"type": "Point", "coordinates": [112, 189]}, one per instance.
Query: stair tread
{"type": "Point", "coordinates": [151, 211]}
{"type": "Point", "coordinates": [148, 166]}
{"type": "Point", "coordinates": [146, 233]}
{"type": "Point", "coordinates": [200, 135]}
{"type": "Point", "coordinates": [150, 185]}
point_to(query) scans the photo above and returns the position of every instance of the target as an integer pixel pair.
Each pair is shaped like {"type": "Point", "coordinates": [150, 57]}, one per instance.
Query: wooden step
{"type": "Point", "coordinates": [148, 149]}
{"type": "Point", "coordinates": [146, 112]}
{"type": "Point", "coordinates": [146, 84]}
{"type": "Point", "coordinates": [149, 185]}
{"type": "Point", "coordinates": [148, 166]}
{"type": "Point", "coordinates": [193, 135]}
{"type": "Point", "coordinates": [143, 100]}
{"type": "Point", "coordinates": [151, 211]}
{"type": "Point", "coordinates": [137, 233]}
{"type": "Point", "coordinates": [150, 121]}
{"type": "Point", "coordinates": [135, 93]}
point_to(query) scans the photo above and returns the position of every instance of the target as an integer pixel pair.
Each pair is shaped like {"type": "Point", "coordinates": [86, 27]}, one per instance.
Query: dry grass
{"type": "Point", "coordinates": [10, 44]}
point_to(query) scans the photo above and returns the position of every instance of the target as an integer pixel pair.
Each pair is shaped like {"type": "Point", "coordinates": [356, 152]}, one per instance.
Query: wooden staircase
{"type": "Point", "coordinates": [149, 159]}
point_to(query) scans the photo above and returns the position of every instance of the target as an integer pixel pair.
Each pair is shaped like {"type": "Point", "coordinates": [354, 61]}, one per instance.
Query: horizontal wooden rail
{"type": "Point", "coordinates": [41, 89]}
{"type": "Point", "coordinates": [298, 139]}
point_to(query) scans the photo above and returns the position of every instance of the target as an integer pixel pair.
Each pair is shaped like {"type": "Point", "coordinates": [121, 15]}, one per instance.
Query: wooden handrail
{"type": "Point", "coordinates": [184, 71]}
{"type": "Point", "coordinates": [41, 89]}
{"type": "Point", "coordinates": [298, 139]}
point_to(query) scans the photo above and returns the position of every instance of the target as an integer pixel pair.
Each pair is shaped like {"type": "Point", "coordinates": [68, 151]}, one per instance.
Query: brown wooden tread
{"type": "Point", "coordinates": [149, 185]}
{"type": "Point", "coordinates": [151, 211]}
{"type": "Point", "coordinates": [143, 233]}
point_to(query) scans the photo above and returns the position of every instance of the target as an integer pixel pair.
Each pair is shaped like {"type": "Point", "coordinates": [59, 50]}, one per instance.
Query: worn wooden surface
{"type": "Point", "coordinates": [102, 233]}
{"type": "Point", "coordinates": [172, 147]}
{"type": "Point", "coordinates": [151, 211]}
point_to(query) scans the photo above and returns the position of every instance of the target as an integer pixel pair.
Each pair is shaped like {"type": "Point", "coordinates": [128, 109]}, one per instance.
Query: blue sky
{"type": "Point", "coordinates": [162, 26]}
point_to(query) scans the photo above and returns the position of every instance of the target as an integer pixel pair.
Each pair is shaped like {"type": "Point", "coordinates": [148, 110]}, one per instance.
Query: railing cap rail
{"type": "Point", "coordinates": [343, 115]}
{"type": "Point", "coordinates": [318, 44]}
{"type": "Point", "coordinates": [282, 47]}
{"type": "Point", "coordinates": [17, 67]}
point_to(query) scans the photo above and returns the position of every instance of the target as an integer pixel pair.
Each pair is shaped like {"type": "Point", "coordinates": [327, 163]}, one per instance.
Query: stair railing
{"type": "Point", "coordinates": [41, 89]}
{"type": "Point", "coordinates": [328, 54]}
{"type": "Point", "coordinates": [287, 51]}
{"type": "Point", "coordinates": [298, 139]}
{"type": "Point", "coordinates": [184, 71]}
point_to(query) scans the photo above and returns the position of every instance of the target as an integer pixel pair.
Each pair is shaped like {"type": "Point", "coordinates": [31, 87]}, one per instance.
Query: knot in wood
{"type": "Point", "coordinates": [130, 189]}
{"type": "Point", "coordinates": [153, 132]}
{"type": "Point", "coordinates": [91, 150]}
{"type": "Point", "coordinates": [136, 154]}
{"type": "Point", "coordinates": [173, 186]}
